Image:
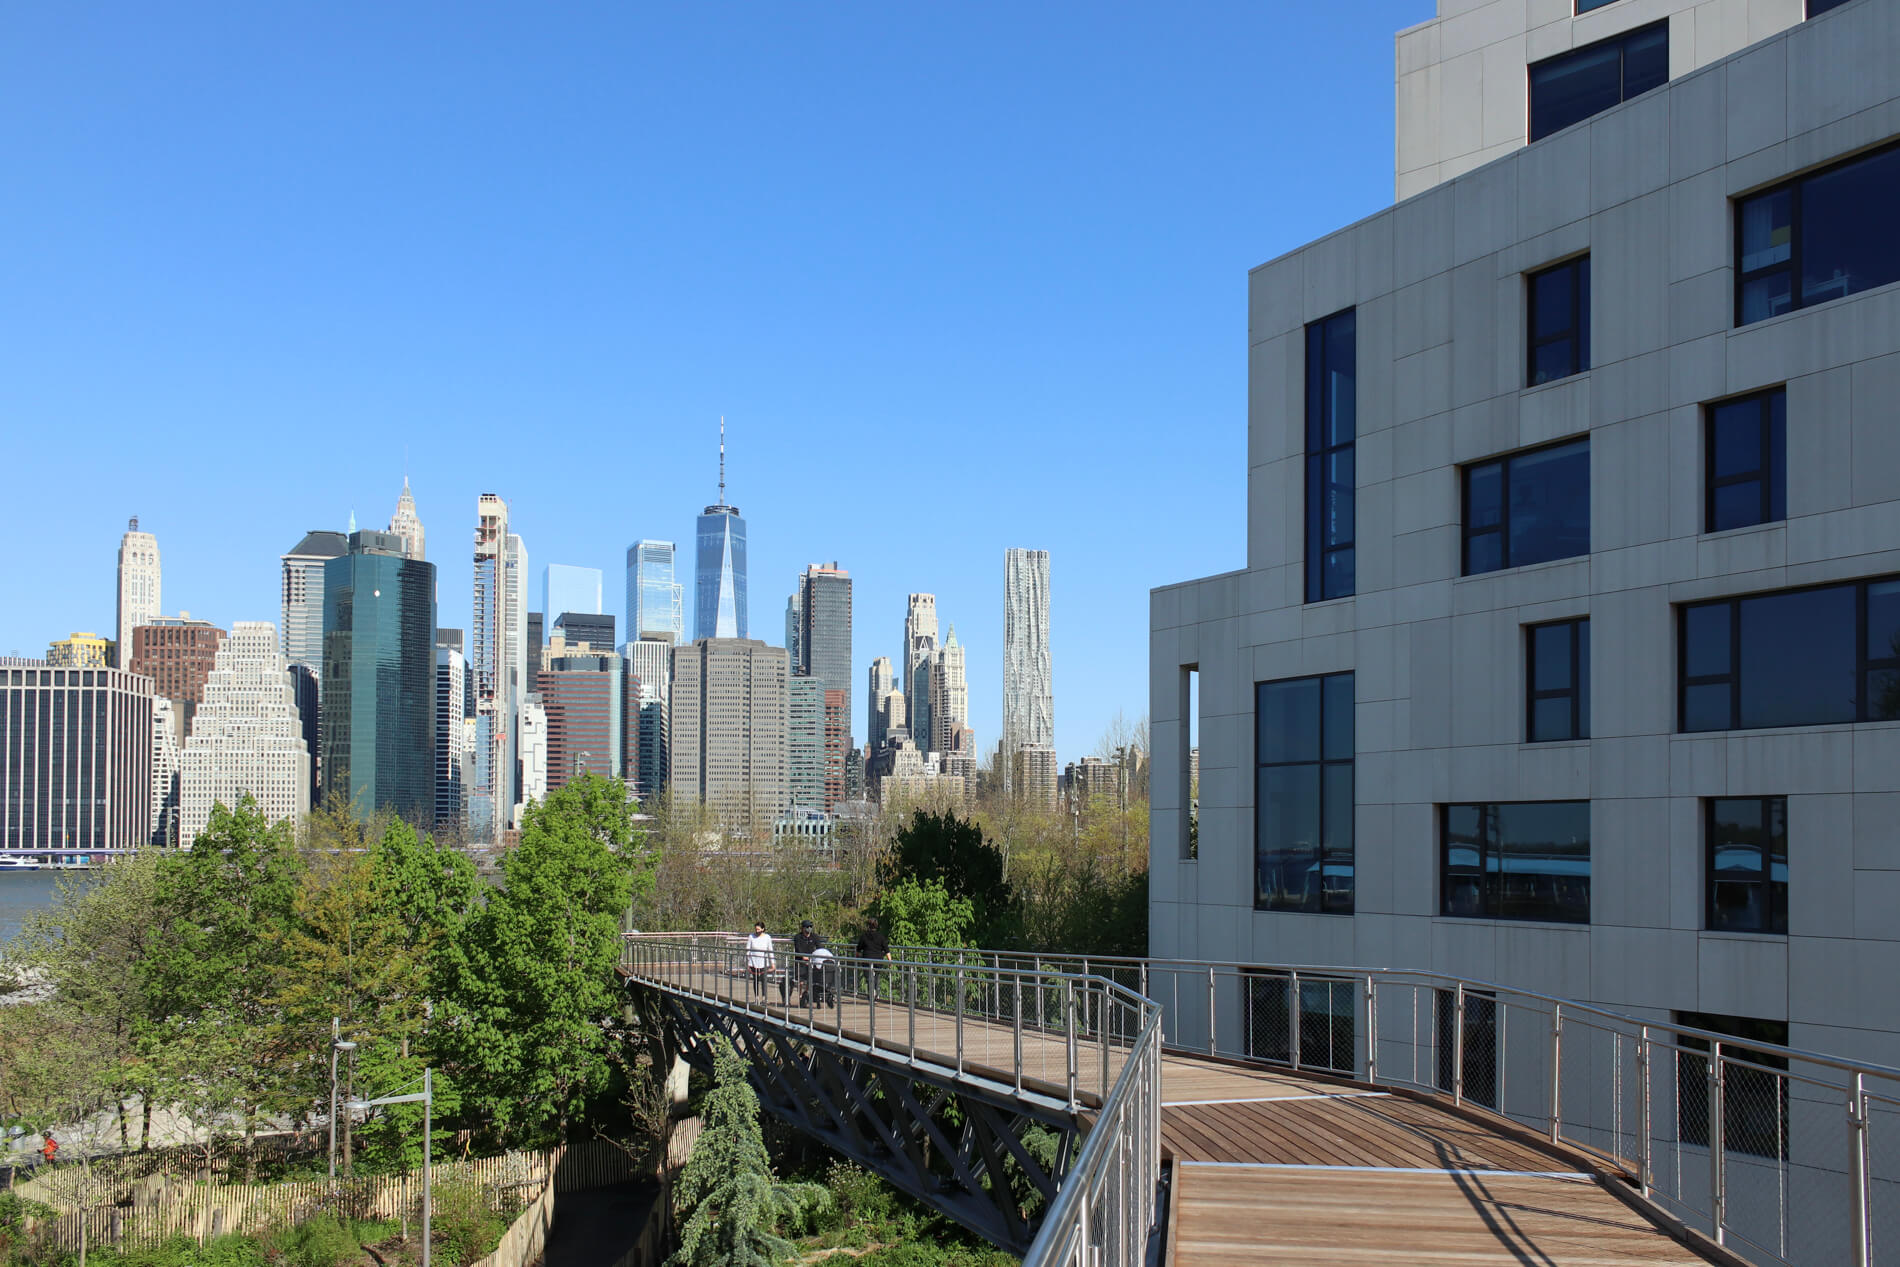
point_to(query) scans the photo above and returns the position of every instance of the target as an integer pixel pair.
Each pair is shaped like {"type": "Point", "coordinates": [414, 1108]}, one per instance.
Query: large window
{"type": "Point", "coordinates": [1806, 657]}
{"type": "Point", "coordinates": [1331, 424]}
{"type": "Point", "coordinates": [1571, 87]}
{"type": "Point", "coordinates": [1303, 795]}
{"type": "Point", "coordinates": [1823, 236]}
{"type": "Point", "coordinates": [1557, 701]}
{"type": "Point", "coordinates": [1528, 860]}
{"type": "Point", "coordinates": [1754, 1100]}
{"type": "Point", "coordinates": [1559, 321]}
{"type": "Point", "coordinates": [1748, 864]}
{"type": "Point", "coordinates": [1527, 508]}
{"type": "Point", "coordinates": [1745, 466]}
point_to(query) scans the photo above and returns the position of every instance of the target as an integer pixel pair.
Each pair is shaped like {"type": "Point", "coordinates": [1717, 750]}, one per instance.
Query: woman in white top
{"type": "Point", "coordinates": [758, 959]}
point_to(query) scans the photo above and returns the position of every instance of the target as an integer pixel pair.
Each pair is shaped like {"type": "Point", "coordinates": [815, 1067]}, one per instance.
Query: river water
{"type": "Point", "coordinates": [22, 893]}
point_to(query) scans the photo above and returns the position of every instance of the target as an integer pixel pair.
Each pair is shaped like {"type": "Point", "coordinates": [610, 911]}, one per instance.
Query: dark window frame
{"type": "Point", "coordinates": [1772, 469]}
{"type": "Point", "coordinates": [1577, 333]}
{"type": "Point", "coordinates": [1503, 461]}
{"type": "Point", "coordinates": [1774, 909]}
{"type": "Point", "coordinates": [1589, 6]}
{"type": "Point", "coordinates": [1486, 846]}
{"type": "Point", "coordinates": [1865, 666]}
{"type": "Point", "coordinates": [1317, 906]}
{"type": "Point", "coordinates": [1745, 1089]}
{"type": "Point", "coordinates": [1621, 40]}
{"type": "Point", "coordinates": [1319, 455]}
{"type": "Point", "coordinates": [1792, 266]}
{"type": "Point", "coordinates": [1577, 692]}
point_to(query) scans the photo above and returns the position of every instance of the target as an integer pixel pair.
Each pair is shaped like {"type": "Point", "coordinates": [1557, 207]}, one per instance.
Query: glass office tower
{"type": "Point", "coordinates": [719, 589]}
{"type": "Point", "coordinates": [654, 605]}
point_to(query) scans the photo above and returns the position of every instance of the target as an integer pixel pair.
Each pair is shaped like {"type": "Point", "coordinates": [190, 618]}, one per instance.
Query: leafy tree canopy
{"type": "Point", "coordinates": [940, 846]}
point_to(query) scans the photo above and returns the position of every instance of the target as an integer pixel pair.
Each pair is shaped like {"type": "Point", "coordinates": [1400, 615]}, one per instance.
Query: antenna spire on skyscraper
{"type": "Point", "coordinates": [722, 459]}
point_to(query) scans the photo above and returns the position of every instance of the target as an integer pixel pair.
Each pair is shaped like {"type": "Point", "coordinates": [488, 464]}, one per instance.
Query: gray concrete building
{"type": "Point", "coordinates": [730, 718]}
{"type": "Point", "coordinates": [1567, 650]}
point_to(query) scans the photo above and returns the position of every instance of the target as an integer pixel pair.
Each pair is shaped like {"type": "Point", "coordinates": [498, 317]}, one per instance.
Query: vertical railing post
{"type": "Point", "coordinates": [1102, 1028]}
{"type": "Point", "coordinates": [959, 1020]}
{"type": "Point", "coordinates": [1210, 1010]}
{"type": "Point", "coordinates": [871, 1013]}
{"type": "Point", "coordinates": [1556, 1071]}
{"type": "Point", "coordinates": [1293, 1020]}
{"type": "Point", "coordinates": [1068, 1000]}
{"type": "Point", "coordinates": [1372, 1031]}
{"type": "Point", "coordinates": [1718, 1145]}
{"type": "Point", "coordinates": [1458, 1044]}
{"type": "Point", "coordinates": [911, 991]}
{"type": "Point", "coordinates": [1643, 1154]}
{"type": "Point", "coordinates": [1018, 997]}
{"type": "Point", "coordinates": [1857, 1195]}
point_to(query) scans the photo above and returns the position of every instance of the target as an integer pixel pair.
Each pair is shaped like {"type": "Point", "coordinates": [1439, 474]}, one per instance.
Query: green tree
{"type": "Point", "coordinates": [530, 984]}
{"type": "Point", "coordinates": [924, 913]}
{"type": "Point", "coordinates": [940, 846]}
{"type": "Point", "coordinates": [730, 1204]}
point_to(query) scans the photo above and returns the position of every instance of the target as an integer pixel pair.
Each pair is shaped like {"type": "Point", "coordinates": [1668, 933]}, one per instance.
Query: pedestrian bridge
{"type": "Point", "coordinates": [1113, 1112]}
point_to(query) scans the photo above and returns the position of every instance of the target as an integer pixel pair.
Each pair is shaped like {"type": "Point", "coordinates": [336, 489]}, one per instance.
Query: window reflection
{"type": "Point", "coordinates": [1748, 864]}
{"type": "Point", "coordinates": [1831, 230]}
{"type": "Point", "coordinates": [1574, 86]}
{"type": "Point", "coordinates": [1532, 507]}
{"type": "Point", "coordinates": [1303, 807]}
{"type": "Point", "coordinates": [1331, 425]}
{"type": "Point", "coordinates": [1527, 860]}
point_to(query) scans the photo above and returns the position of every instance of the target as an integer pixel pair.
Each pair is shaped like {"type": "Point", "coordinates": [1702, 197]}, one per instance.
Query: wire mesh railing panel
{"type": "Point", "coordinates": [1883, 1175]}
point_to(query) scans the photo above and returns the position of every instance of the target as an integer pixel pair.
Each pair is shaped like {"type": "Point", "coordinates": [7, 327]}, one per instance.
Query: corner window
{"type": "Point", "coordinates": [1745, 463]}
{"type": "Point", "coordinates": [1748, 864]}
{"type": "Point", "coordinates": [1754, 1090]}
{"type": "Point", "coordinates": [1332, 353]}
{"type": "Point", "coordinates": [1559, 307]}
{"type": "Point", "coordinates": [1528, 860]}
{"type": "Point", "coordinates": [1528, 508]}
{"type": "Point", "coordinates": [1821, 237]}
{"type": "Point", "coordinates": [1809, 657]}
{"type": "Point", "coordinates": [1303, 795]}
{"type": "Point", "coordinates": [1817, 7]}
{"type": "Point", "coordinates": [1557, 669]}
{"type": "Point", "coordinates": [1571, 87]}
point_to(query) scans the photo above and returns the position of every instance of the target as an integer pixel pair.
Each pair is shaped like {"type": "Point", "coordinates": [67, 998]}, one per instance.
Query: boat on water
{"type": "Point", "coordinates": [17, 863]}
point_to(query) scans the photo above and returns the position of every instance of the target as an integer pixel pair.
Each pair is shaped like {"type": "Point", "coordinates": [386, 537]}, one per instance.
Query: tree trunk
{"type": "Point", "coordinates": [125, 1142]}
{"type": "Point", "coordinates": [145, 1128]}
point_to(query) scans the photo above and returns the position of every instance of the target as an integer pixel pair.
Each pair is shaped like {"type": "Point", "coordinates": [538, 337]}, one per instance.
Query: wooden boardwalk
{"type": "Point", "coordinates": [1275, 1167]}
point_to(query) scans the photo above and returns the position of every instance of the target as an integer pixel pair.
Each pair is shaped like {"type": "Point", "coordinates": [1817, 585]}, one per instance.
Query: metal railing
{"type": "Point", "coordinates": [1079, 1042]}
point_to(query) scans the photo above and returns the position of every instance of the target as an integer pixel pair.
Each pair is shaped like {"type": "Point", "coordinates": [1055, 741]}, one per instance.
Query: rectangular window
{"type": "Point", "coordinates": [1331, 425]}
{"type": "Point", "coordinates": [1528, 508]}
{"type": "Point", "coordinates": [1528, 860]}
{"type": "Point", "coordinates": [1745, 461]}
{"type": "Point", "coordinates": [1754, 1100]}
{"type": "Point", "coordinates": [1584, 6]}
{"type": "Point", "coordinates": [1817, 7]}
{"type": "Point", "coordinates": [1809, 657]}
{"type": "Point", "coordinates": [1819, 237]}
{"type": "Point", "coordinates": [1571, 87]}
{"type": "Point", "coordinates": [1191, 762]}
{"type": "Point", "coordinates": [1303, 804]}
{"type": "Point", "coordinates": [1559, 327]}
{"type": "Point", "coordinates": [1328, 1011]}
{"type": "Point", "coordinates": [1748, 864]}
{"type": "Point", "coordinates": [1557, 686]}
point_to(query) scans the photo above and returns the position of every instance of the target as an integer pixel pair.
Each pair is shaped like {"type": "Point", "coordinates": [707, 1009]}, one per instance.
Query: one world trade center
{"type": "Point", "coordinates": [719, 589]}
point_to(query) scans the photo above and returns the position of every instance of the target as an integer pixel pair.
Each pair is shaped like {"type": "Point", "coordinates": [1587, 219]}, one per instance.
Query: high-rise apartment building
{"type": "Point", "coordinates": [454, 737]}
{"type": "Point", "coordinates": [882, 683]}
{"type": "Point", "coordinates": [167, 759]}
{"type": "Point", "coordinates": [837, 744]}
{"type": "Point", "coordinates": [719, 582]}
{"type": "Point", "coordinates": [138, 583]}
{"type": "Point", "coordinates": [655, 598]}
{"type": "Point", "coordinates": [805, 751]}
{"type": "Point", "coordinates": [566, 588]}
{"type": "Point", "coordinates": [949, 697]}
{"type": "Point", "coordinates": [824, 639]}
{"type": "Point", "coordinates": [247, 736]}
{"type": "Point", "coordinates": [302, 595]}
{"type": "Point", "coordinates": [80, 651]}
{"type": "Point", "coordinates": [379, 675]}
{"type": "Point", "coordinates": [178, 654]}
{"type": "Point", "coordinates": [406, 525]}
{"type": "Point", "coordinates": [1033, 775]}
{"type": "Point", "coordinates": [498, 637]}
{"type": "Point", "coordinates": [581, 693]}
{"type": "Point", "coordinates": [75, 758]}
{"type": "Point", "coordinates": [649, 669]}
{"type": "Point", "coordinates": [1600, 704]}
{"type": "Point", "coordinates": [1029, 711]}
{"type": "Point", "coordinates": [730, 719]}
{"type": "Point", "coordinates": [920, 643]}
{"type": "Point", "coordinates": [534, 758]}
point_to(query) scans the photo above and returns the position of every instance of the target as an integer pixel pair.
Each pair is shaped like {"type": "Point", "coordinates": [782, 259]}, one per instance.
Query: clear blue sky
{"type": "Point", "coordinates": [960, 277]}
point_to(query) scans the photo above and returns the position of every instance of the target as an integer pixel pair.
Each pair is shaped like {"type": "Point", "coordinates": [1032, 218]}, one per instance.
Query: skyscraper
{"type": "Point", "coordinates": [1029, 711]}
{"type": "Point", "coordinates": [580, 691]}
{"type": "Point", "coordinates": [649, 671]}
{"type": "Point", "coordinates": [730, 718]}
{"type": "Point", "coordinates": [805, 753]}
{"type": "Point", "coordinates": [920, 643]}
{"type": "Point", "coordinates": [404, 524]}
{"type": "Point", "coordinates": [75, 758]}
{"type": "Point", "coordinates": [79, 651]}
{"type": "Point", "coordinates": [654, 597]}
{"type": "Point", "coordinates": [719, 583]}
{"type": "Point", "coordinates": [178, 654]}
{"type": "Point", "coordinates": [534, 758]}
{"type": "Point", "coordinates": [824, 641]}
{"type": "Point", "coordinates": [167, 757]}
{"type": "Point", "coordinates": [138, 582]}
{"type": "Point", "coordinates": [454, 738]}
{"type": "Point", "coordinates": [877, 714]}
{"type": "Point", "coordinates": [247, 736]}
{"type": "Point", "coordinates": [379, 679]}
{"type": "Point", "coordinates": [498, 651]}
{"type": "Point", "coordinates": [949, 697]}
{"type": "Point", "coordinates": [795, 627]}
{"type": "Point", "coordinates": [302, 593]}
{"type": "Point", "coordinates": [566, 588]}
{"type": "Point", "coordinates": [574, 628]}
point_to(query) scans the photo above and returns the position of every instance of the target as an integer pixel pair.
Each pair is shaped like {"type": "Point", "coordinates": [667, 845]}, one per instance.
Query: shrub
{"type": "Point", "coordinates": [325, 1241]}
{"type": "Point", "coordinates": [463, 1225]}
{"type": "Point", "coordinates": [859, 1196]}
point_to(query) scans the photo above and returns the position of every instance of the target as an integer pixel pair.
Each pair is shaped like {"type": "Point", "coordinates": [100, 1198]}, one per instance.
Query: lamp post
{"type": "Point", "coordinates": [427, 1099]}
{"type": "Point", "coordinates": [337, 1046]}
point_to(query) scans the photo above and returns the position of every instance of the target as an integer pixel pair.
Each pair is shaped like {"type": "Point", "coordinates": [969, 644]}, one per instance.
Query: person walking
{"type": "Point", "coordinates": [874, 947]}
{"type": "Point", "coordinates": [802, 946]}
{"type": "Point", "coordinates": [758, 960]}
{"type": "Point", "coordinates": [50, 1149]}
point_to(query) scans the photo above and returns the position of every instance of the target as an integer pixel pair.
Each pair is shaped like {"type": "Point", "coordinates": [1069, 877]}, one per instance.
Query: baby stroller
{"type": "Point", "coordinates": [821, 979]}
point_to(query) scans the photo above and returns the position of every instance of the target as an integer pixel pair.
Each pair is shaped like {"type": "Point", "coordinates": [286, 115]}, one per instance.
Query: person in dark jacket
{"type": "Point", "coordinates": [872, 945]}
{"type": "Point", "coordinates": [803, 944]}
